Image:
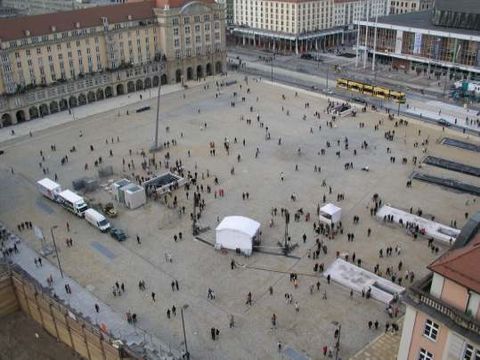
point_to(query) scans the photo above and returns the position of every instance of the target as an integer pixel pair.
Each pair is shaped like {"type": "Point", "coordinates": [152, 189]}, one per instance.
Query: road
{"type": "Point", "coordinates": [425, 106]}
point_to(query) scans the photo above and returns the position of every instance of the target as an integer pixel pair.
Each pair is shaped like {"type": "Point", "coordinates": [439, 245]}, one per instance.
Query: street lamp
{"type": "Point", "coordinates": [187, 354]}
{"type": "Point", "coordinates": [155, 146]}
{"type": "Point", "coordinates": [337, 335]}
{"type": "Point", "coordinates": [55, 247]}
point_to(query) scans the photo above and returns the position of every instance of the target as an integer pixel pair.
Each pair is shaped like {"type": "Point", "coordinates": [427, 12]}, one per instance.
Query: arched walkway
{"type": "Point", "coordinates": [139, 85]}
{"type": "Point", "coordinates": [218, 67]}
{"type": "Point", "coordinates": [63, 105]}
{"type": "Point", "coordinates": [6, 120]}
{"type": "Point", "coordinates": [178, 76]}
{"type": "Point", "coordinates": [120, 89]}
{"type": "Point", "coordinates": [209, 69]}
{"type": "Point", "coordinates": [20, 115]}
{"type": "Point", "coordinates": [100, 95]}
{"type": "Point", "coordinates": [189, 73]}
{"type": "Point", "coordinates": [109, 91]}
{"type": "Point", "coordinates": [53, 107]}
{"type": "Point", "coordinates": [72, 101]}
{"type": "Point", "coordinates": [33, 111]}
{"type": "Point", "coordinates": [44, 110]}
{"type": "Point", "coordinates": [164, 79]}
{"type": "Point", "coordinates": [82, 99]}
{"type": "Point", "coordinates": [91, 97]}
{"type": "Point", "coordinates": [130, 87]}
{"type": "Point", "coordinates": [156, 81]}
{"type": "Point", "coordinates": [199, 71]}
{"type": "Point", "coordinates": [148, 83]}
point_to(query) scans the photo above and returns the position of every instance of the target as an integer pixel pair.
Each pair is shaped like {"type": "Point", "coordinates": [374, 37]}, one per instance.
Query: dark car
{"type": "Point", "coordinates": [307, 57]}
{"type": "Point", "coordinates": [142, 109]}
{"type": "Point", "coordinates": [443, 122]}
{"type": "Point", "coordinates": [358, 100]}
{"type": "Point", "coordinates": [118, 234]}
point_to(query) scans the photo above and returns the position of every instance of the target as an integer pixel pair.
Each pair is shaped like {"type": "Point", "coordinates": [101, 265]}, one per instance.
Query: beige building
{"type": "Point", "coordinates": [406, 6]}
{"type": "Point", "coordinates": [36, 7]}
{"type": "Point", "coordinates": [442, 320]}
{"type": "Point", "coordinates": [50, 63]}
{"type": "Point", "coordinates": [300, 25]}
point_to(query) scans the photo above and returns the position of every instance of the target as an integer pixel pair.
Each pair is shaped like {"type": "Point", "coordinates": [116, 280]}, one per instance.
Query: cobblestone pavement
{"type": "Point", "coordinates": [96, 261]}
{"type": "Point", "coordinates": [384, 347]}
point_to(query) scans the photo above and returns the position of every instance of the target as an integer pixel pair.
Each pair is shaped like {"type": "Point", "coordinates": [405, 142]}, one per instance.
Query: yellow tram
{"type": "Point", "coordinates": [381, 92]}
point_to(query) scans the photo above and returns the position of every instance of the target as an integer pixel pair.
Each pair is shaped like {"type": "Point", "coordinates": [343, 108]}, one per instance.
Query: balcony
{"type": "Point", "coordinates": [419, 296]}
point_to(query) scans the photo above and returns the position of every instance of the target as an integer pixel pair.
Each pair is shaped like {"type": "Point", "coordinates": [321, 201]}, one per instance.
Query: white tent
{"type": "Point", "coordinates": [330, 214]}
{"type": "Point", "coordinates": [237, 232]}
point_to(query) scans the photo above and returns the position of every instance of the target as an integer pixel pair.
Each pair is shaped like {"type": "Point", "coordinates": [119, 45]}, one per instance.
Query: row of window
{"type": "Point", "coordinates": [196, 19]}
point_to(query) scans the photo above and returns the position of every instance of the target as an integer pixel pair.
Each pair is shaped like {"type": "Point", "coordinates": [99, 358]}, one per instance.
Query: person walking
{"type": "Point", "coordinates": [97, 308]}
{"type": "Point", "coordinates": [153, 296]}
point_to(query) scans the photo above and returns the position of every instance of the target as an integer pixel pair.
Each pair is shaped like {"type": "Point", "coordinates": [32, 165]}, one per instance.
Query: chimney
{"type": "Point", "coordinates": [27, 32]}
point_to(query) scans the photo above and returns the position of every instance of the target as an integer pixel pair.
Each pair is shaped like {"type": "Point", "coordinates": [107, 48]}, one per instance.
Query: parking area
{"type": "Point", "coordinates": [194, 119]}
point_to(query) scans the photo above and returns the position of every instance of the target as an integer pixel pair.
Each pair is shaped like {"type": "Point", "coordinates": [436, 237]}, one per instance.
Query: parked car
{"type": "Point", "coordinates": [307, 56]}
{"type": "Point", "coordinates": [118, 234]}
{"type": "Point", "coordinates": [443, 122]}
{"type": "Point", "coordinates": [358, 100]}
{"type": "Point", "coordinates": [142, 109]}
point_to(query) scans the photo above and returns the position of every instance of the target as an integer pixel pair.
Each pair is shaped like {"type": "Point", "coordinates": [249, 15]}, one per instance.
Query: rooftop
{"type": "Point", "coordinates": [421, 20]}
{"type": "Point", "coordinates": [461, 265]}
{"type": "Point", "coordinates": [467, 6]}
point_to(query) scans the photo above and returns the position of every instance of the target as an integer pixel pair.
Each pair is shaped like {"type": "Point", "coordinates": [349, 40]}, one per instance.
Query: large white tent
{"type": "Point", "coordinates": [237, 232]}
{"type": "Point", "coordinates": [330, 214]}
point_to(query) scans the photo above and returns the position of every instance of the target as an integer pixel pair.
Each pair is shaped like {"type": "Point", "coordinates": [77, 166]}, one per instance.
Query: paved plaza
{"type": "Point", "coordinates": [195, 117]}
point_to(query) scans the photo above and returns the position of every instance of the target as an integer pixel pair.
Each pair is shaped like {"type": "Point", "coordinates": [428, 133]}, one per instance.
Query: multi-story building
{"type": "Point", "coordinates": [442, 320]}
{"type": "Point", "coordinates": [35, 7]}
{"type": "Point", "coordinates": [445, 39]}
{"type": "Point", "coordinates": [406, 6]}
{"type": "Point", "coordinates": [300, 25]}
{"type": "Point", "coordinates": [50, 63]}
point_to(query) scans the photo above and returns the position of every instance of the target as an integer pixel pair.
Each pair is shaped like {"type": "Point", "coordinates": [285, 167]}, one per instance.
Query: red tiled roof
{"type": "Point", "coordinates": [38, 25]}
{"type": "Point", "coordinates": [461, 265]}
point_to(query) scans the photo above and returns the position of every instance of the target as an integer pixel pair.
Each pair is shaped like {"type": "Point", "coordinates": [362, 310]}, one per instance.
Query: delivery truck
{"type": "Point", "coordinates": [96, 219]}
{"type": "Point", "coordinates": [72, 202]}
{"type": "Point", "coordinates": [49, 188]}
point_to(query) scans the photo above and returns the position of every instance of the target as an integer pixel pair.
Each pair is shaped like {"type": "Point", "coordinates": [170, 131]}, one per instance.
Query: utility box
{"type": "Point", "coordinates": [134, 196]}
{"type": "Point", "coordinates": [117, 191]}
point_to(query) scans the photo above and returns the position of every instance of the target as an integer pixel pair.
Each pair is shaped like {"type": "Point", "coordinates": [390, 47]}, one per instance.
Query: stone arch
{"type": "Point", "coordinates": [72, 101]}
{"type": "Point", "coordinates": [199, 71]}
{"type": "Point", "coordinates": [53, 107]}
{"type": "Point", "coordinates": [190, 73]}
{"type": "Point", "coordinates": [209, 69]}
{"type": "Point", "coordinates": [63, 105]}
{"type": "Point", "coordinates": [91, 97]}
{"type": "Point", "coordinates": [82, 99]}
{"type": "Point", "coordinates": [100, 94]}
{"type": "Point", "coordinates": [33, 111]}
{"type": "Point", "coordinates": [164, 79]}
{"type": "Point", "coordinates": [20, 115]}
{"type": "Point", "coordinates": [218, 67]}
{"type": "Point", "coordinates": [120, 89]}
{"type": "Point", "coordinates": [130, 86]}
{"type": "Point", "coordinates": [139, 85]}
{"type": "Point", "coordinates": [156, 81]}
{"type": "Point", "coordinates": [6, 120]}
{"type": "Point", "coordinates": [178, 75]}
{"type": "Point", "coordinates": [108, 92]}
{"type": "Point", "coordinates": [148, 83]}
{"type": "Point", "coordinates": [44, 110]}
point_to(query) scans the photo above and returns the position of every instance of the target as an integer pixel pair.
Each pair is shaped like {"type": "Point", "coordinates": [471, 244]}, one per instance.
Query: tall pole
{"type": "Point", "coordinates": [187, 354]}
{"type": "Point", "coordinates": [56, 251]}
{"type": "Point", "coordinates": [374, 43]}
{"type": "Point", "coordinates": [365, 53]}
{"type": "Point", "coordinates": [358, 44]}
{"type": "Point", "coordinates": [157, 124]}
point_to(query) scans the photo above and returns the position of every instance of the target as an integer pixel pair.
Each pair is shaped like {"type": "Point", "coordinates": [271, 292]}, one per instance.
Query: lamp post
{"type": "Point", "coordinates": [337, 335]}
{"type": "Point", "coordinates": [187, 354]}
{"type": "Point", "coordinates": [56, 251]}
{"type": "Point", "coordinates": [155, 146]}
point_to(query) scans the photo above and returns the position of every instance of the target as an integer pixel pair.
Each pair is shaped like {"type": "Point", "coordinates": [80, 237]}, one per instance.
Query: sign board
{"type": "Point", "coordinates": [417, 44]}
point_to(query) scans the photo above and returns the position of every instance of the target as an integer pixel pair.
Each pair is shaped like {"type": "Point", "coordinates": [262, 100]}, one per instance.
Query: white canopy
{"type": "Point", "coordinates": [330, 213]}
{"type": "Point", "coordinates": [237, 232]}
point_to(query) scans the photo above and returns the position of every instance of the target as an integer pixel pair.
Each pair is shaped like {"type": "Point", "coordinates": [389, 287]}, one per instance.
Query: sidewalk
{"type": "Point", "coordinates": [83, 302]}
{"type": "Point", "coordinates": [384, 347]}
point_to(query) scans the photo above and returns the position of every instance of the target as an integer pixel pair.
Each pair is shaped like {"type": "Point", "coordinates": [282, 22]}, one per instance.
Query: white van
{"type": "Point", "coordinates": [97, 220]}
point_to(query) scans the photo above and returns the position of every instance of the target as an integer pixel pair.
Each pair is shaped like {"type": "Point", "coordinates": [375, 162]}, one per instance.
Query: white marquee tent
{"type": "Point", "coordinates": [237, 232]}
{"type": "Point", "coordinates": [330, 214]}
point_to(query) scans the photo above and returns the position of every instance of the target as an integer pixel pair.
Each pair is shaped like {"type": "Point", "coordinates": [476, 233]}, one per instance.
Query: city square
{"type": "Point", "coordinates": [275, 156]}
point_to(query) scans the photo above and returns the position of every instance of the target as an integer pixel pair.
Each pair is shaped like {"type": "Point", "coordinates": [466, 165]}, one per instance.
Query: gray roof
{"type": "Point", "coordinates": [421, 20]}
{"type": "Point", "coordinates": [467, 6]}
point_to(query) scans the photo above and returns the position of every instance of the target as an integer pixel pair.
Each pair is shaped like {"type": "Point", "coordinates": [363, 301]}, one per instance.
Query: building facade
{"type": "Point", "coordinates": [406, 6]}
{"type": "Point", "coordinates": [36, 7]}
{"type": "Point", "coordinates": [50, 63]}
{"type": "Point", "coordinates": [442, 320]}
{"type": "Point", "coordinates": [413, 41]}
{"type": "Point", "coordinates": [300, 25]}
